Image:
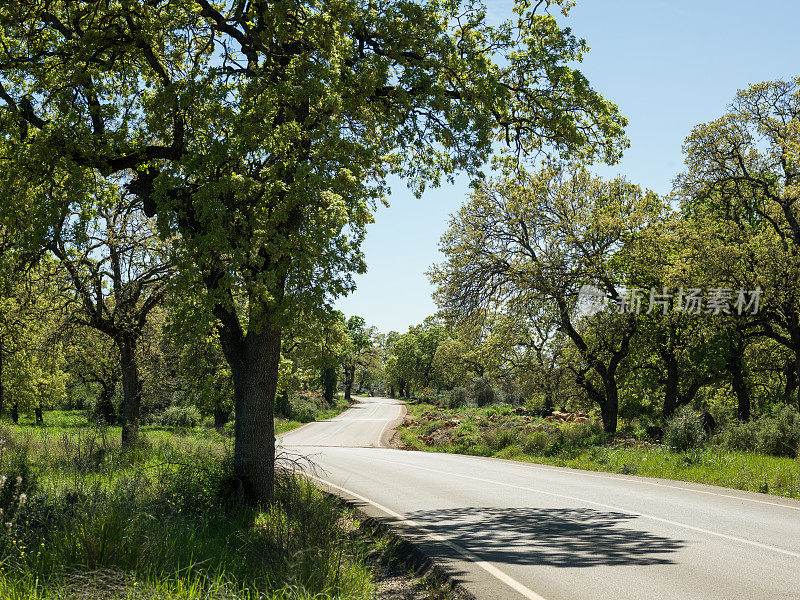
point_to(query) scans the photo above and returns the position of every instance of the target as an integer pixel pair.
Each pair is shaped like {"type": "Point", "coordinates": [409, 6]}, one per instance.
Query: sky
{"type": "Point", "coordinates": [668, 64]}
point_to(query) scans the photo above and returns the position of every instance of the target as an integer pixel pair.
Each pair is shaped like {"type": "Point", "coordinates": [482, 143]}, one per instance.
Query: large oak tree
{"type": "Point", "coordinates": [261, 134]}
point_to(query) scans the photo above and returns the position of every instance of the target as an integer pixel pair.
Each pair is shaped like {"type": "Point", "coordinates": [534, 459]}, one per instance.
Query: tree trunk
{"type": "Point", "coordinates": [350, 375]}
{"type": "Point", "coordinates": [391, 391]}
{"type": "Point", "coordinates": [2, 390]}
{"type": "Point", "coordinates": [131, 390]}
{"type": "Point", "coordinates": [671, 387]}
{"type": "Point", "coordinates": [254, 364]}
{"type": "Point", "coordinates": [797, 377]}
{"type": "Point", "coordinates": [39, 415]}
{"type": "Point", "coordinates": [609, 409]}
{"type": "Point", "coordinates": [329, 383]}
{"type": "Point", "coordinates": [739, 385]}
{"type": "Point", "coordinates": [221, 417]}
{"type": "Point", "coordinates": [15, 412]}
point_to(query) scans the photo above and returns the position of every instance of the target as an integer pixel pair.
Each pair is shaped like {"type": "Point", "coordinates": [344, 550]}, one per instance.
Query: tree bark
{"type": "Point", "coordinates": [254, 363]}
{"type": "Point", "coordinates": [2, 389]}
{"type": "Point", "coordinates": [329, 383]}
{"type": "Point", "coordinates": [671, 386]}
{"type": "Point", "coordinates": [131, 390]}
{"type": "Point", "coordinates": [350, 375]}
{"type": "Point", "coordinates": [221, 417]}
{"type": "Point", "coordinates": [609, 409]}
{"type": "Point", "coordinates": [797, 377]}
{"type": "Point", "coordinates": [391, 391]}
{"type": "Point", "coordinates": [15, 412]}
{"type": "Point", "coordinates": [739, 385]}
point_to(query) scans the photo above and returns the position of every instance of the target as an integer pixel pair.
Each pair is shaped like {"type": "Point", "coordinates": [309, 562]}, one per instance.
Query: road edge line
{"type": "Point", "coordinates": [473, 558]}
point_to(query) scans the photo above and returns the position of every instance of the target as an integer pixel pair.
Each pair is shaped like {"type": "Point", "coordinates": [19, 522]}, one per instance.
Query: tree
{"type": "Point", "coordinates": [120, 271]}
{"type": "Point", "coordinates": [261, 135]}
{"type": "Point", "coordinates": [742, 173]}
{"type": "Point", "coordinates": [91, 363]}
{"type": "Point", "coordinates": [360, 351]}
{"type": "Point", "coordinates": [538, 239]}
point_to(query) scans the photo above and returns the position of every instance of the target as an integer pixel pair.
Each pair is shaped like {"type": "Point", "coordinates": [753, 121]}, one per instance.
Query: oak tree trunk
{"type": "Point", "coordinates": [2, 389]}
{"type": "Point", "coordinates": [350, 375]}
{"type": "Point", "coordinates": [131, 390]}
{"type": "Point", "coordinates": [609, 409]}
{"type": "Point", "coordinates": [739, 388]}
{"type": "Point", "coordinates": [797, 377]}
{"type": "Point", "coordinates": [254, 364]}
{"type": "Point", "coordinates": [671, 386]}
{"type": "Point", "coordinates": [329, 383]}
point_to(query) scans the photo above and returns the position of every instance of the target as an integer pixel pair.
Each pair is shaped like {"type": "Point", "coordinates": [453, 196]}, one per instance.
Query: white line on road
{"type": "Point", "coordinates": [486, 566]}
{"type": "Point", "coordinates": [608, 506]}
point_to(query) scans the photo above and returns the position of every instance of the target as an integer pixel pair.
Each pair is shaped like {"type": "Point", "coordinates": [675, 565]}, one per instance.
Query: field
{"type": "Point", "coordinates": [505, 432]}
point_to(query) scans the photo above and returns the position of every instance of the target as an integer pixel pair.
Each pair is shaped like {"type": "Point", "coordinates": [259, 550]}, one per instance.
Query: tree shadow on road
{"type": "Point", "coordinates": [578, 537]}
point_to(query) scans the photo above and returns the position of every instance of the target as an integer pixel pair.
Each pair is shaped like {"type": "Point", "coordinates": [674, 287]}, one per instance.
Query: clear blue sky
{"type": "Point", "coordinates": [668, 65]}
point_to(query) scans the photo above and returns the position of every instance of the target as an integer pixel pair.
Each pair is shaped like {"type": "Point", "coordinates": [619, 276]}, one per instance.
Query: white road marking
{"type": "Point", "coordinates": [486, 566]}
{"type": "Point", "coordinates": [641, 481]}
{"type": "Point", "coordinates": [607, 506]}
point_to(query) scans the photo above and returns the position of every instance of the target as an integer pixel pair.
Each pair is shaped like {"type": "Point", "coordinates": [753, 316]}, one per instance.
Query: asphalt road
{"type": "Point", "coordinates": [515, 530]}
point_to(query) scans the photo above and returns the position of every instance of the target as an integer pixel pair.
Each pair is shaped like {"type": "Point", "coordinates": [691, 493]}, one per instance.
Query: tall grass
{"type": "Point", "coordinates": [158, 521]}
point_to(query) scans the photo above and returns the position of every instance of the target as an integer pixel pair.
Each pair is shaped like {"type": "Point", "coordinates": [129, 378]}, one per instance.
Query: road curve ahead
{"type": "Point", "coordinates": [516, 530]}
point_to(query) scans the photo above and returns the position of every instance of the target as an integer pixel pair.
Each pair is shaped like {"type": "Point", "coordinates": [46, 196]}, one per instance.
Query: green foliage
{"type": "Point", "coordinates": [685, 431]}
{"type": "Point", "coordinates": [170, 525]}
{"type": "Point", "coordinates": [484, 392]}
{"type": "Point", "coordinates": [178, 416]}
{"type": "Point", "coordinates": [776, 433]}
{"type": "Point", "coordinates": [457, 398]}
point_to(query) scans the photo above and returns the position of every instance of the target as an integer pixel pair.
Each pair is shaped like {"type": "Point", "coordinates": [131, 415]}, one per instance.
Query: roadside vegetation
{"type": "Point", "coordinates": [87, 518]}
{"type": "Point", "coordinates": [761, 456]}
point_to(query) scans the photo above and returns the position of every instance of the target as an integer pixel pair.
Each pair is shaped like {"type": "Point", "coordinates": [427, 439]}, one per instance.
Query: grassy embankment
{"type": "Point", "coordinates": [498, 431]}
{"type": "Point", "coordinates": [86, 519]}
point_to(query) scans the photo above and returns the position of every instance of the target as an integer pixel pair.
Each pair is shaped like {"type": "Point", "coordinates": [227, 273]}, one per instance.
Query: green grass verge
{"type": "Point", "coordinates": [499, 432]}
{"type": "Point", "coordinates": [89, 519]}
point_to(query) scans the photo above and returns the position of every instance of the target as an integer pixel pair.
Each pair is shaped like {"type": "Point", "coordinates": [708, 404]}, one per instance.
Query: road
{"type": "Point", "coordinates": [513, 530]}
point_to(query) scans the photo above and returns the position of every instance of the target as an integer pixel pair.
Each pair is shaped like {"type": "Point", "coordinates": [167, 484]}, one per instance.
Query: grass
{"type": "Point", "coordinates": [157, 522]}
{"type": "Point", "coordinates": [161, 521]}
{"type": "Point", "coordinates": [498, 431]}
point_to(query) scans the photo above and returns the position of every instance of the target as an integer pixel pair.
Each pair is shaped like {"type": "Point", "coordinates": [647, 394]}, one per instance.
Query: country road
{"type": "Point", "coordinates": [516, 530]}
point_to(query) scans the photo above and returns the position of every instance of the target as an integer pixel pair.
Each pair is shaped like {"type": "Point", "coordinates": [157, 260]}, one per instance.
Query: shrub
{"type": "Point", "coordinates": [179, 416]}
{"type": "Point", "coordinates": [497, 439]}
{"type": "Point", "coordinates": [536, 443]}
{"type": "Point", "coordinates": [776, 433]}
{"type": "Point", "coordinates": [457, 398]}
{"type": "Point", "coordinates": [427, 394]}
{"type": "Point", "coordinates": [685, 431]}
{"type": "Point", "coordinates": [484, 391]}
{"type": "Point", "coordinates": [779, 432]}
{"type": "Point", "coordinates": [282, 406]}
{"type": "Point", "coordinates": [742, 437]}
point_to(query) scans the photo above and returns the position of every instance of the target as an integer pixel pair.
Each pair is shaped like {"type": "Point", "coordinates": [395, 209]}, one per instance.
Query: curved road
{"type": "Point", "coordinates": [514, 530]}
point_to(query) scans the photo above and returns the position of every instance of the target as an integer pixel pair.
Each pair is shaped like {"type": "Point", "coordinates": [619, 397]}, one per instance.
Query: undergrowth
{"type": "Point", "coordinates": [86, 519]}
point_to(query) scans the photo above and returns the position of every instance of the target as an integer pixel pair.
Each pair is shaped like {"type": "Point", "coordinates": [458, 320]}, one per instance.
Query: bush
{"type": "Point", "coordinates": [457, 398]}
{"type": "Point", "coordinates": [685, 431]}
{"type": "Point", "coordinates": [428, 395]}
{"type": "Point", "coordinates": [178, 416]}
{"type": "Point", "coordinates": [484, 391]}
{"type": "Point", "coordinates": [536, 443]}
{"type": "Point", "coordinates": [283, 408]}
{"type": "Point", "coordinates": [742, 437]}
{"type": "Point", "coordinates": [304, 411]}
{"type": "Point", "coordinates": [776, 433]}
{"type": "Point", "coordinates": [497, 439]}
